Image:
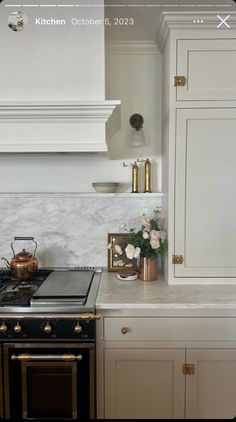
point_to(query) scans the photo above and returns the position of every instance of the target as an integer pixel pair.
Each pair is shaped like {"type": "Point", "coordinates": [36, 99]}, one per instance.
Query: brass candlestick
{"type": "Point", "coordinates": [147, 176]}
{"type": "Point", "coordinates": [135, 172]}
{"type": "Point", "coordinates": [135, 176]}
{"type": "Point", "coordinates": [148, 171]}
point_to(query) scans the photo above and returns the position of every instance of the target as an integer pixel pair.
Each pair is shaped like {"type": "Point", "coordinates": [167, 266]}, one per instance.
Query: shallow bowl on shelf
{"type": "Point", "coordinates": [106, 187]}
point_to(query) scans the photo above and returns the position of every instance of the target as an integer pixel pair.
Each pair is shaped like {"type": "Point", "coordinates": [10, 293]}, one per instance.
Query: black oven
{"type": "Point", "coordinates": [47, 345]}
{"type": "Point", "coordinates": [52, 381]}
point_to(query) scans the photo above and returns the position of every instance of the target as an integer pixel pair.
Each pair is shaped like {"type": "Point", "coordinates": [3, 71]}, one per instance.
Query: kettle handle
{"type": "Point", "coordinates": [23, 238]}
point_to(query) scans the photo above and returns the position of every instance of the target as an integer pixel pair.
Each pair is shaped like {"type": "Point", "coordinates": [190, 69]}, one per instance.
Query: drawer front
{"type": "Point", "coordinates": [169, 329]}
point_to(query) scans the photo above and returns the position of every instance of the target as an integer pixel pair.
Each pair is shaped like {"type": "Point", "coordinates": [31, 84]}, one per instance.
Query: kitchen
{"type": "Point", "coordinates": [55, 129]}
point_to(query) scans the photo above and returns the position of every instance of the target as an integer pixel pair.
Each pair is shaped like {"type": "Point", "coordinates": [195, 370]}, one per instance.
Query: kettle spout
{"type": "Point", "coordinates": [7, 262]}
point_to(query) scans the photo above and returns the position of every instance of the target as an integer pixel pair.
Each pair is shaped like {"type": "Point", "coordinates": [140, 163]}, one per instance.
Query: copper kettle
{"type": "Point", "coordinates": [24, 264]}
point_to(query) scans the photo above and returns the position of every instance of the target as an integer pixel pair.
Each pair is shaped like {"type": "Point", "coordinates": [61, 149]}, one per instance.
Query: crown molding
{"type": "Point", "coordinates": [133, 47]}
{"type": "Point", "coordinates": [81, 111]}
{"type": "Point", "coordinates": [184, 20]}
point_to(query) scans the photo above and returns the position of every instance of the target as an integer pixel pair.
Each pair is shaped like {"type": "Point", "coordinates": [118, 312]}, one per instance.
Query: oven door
{"type": "Point", "coordinates": [49, 381]}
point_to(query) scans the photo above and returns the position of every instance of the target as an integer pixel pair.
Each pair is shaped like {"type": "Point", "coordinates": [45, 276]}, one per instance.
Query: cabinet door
{"type": "Point", "coordinates": [144, 383]}
{"type": "Point", "coordinates": [210, 392]}
{"type": "Point", "coordinates": [209, 66]}
{"type": "Point", "coordinates": [205, 202]}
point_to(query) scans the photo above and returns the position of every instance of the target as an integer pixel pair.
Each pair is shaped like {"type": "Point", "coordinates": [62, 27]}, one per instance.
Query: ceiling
{"type": "Point", "coordinates": [146, 15]}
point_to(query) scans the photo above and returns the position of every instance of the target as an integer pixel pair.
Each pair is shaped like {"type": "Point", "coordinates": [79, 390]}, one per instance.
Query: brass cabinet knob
{"type": "Point", "coordinates": [3, 328]}
{"type": "Point", "coordinates": [47, 328]}
{"type": "Point", "coordinates": [77, 328]}
{"type": "Point", "coordinates": [124, 330]}
{"type": "Point", "coordinates": [17, 328]}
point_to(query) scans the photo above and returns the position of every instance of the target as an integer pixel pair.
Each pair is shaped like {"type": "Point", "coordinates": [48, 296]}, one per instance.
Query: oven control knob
{"type": "Point", "coordinates": [47, 328]}
{"type": "Point", "coordinates": [77, 328]}
{"type": "Point", "coordinates": [17, 328]}
{"type": "Point", "coordinates": [3, 328]}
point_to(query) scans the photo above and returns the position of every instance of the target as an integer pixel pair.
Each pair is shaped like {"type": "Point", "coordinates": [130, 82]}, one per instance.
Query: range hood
{"type": "Point", "coordinates": [55, 126]}
{"type": "Point", "coordinates": [52, 79]}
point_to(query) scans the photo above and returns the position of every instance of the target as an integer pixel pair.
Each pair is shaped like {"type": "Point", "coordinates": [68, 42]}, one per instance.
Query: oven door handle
{"type": "Point", "coordinates": [25, 357]}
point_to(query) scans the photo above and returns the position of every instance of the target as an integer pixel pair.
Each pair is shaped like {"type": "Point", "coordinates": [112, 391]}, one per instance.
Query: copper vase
{"type": "Point", "coordinates": [148, 269]}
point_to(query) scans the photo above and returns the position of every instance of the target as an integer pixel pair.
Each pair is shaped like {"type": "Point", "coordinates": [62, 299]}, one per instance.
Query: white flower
{"type": "Point", "coordinates": [155, 244]}
{"type": "Point", "coordinates": [119, 263]}
{"type": "Point", "coordinates": [132, 252]}
{"type": "Point", "coordinates": [145, 235]}
{"type": "Point", "coordinates": [137, 253]}
{"type": "Point", "coordinates": [129, 250]}
{"type": "Point", "coordinates": [160, 215]}
{"type": "Point", "coordinates": [144, 220]}
{"type": "Point", "coordinates": [154, 234]}
{"type": "Point", "coordinates": [118, 249]}
{"type": "Point", "coordinates": [162, 235]}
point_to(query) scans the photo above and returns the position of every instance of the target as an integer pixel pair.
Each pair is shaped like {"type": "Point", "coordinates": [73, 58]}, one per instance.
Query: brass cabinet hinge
{"type": "Point", "coordinates": [180, 81]}
{"type": "Point", "coordinates": [177, 259]}
{"type": "Point", "coordinates": [188, 369]}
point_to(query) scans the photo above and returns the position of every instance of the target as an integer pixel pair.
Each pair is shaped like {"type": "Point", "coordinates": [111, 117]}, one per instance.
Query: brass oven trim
{"type": "Point", "coordinates": [26, 365]}
{"type": "Point", "coordinates": [6, 359]}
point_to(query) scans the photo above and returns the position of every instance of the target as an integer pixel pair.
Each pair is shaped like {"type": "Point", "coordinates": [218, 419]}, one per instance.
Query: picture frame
{"type": "Point", "coordinates": [119, 262]}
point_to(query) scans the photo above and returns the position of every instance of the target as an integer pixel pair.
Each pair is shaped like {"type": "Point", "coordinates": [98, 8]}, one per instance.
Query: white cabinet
{"type": "Point", "coordinates": [144, 383]}
{"type": "Point", "coordinates": [199, 147]}
{"type": "Point", "coordinates": [205, 223]}
{"type": "Point", "coordinates": [210, 392]}
{"type": "Point", "coordinates": [187, 369]}
{"type": "Point", "coordinates": [209, 68]}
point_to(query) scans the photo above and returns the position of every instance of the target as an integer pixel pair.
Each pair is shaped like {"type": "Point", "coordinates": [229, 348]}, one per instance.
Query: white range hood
{"type": "Point", "coordinates": [55, 126]}
{"type": "Point", "coordinates": [52, 79]}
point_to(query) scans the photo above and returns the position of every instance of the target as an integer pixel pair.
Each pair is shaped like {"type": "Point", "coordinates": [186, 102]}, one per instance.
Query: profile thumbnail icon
{"type": "Point", "coordinates": [17, 21]}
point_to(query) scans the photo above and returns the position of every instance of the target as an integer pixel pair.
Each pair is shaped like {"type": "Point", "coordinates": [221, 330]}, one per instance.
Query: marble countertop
{"type": "Point", "coordinates": [160, 298]}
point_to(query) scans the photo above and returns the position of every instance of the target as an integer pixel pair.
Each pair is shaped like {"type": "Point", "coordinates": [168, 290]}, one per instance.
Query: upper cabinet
{"type": "Point", "coordinates": [199, 126]}
{"type": "Point", "coordinates": [209, 68]}
{"type": "Point", "coordinates": [52, 80]}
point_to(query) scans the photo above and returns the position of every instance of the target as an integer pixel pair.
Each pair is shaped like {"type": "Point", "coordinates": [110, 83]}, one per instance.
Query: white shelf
{"type": "Point", "coordinates": [83, 195]}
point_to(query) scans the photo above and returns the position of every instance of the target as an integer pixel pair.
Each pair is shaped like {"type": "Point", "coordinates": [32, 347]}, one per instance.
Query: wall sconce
{"type": "Point", "coordinates": [137, 138]}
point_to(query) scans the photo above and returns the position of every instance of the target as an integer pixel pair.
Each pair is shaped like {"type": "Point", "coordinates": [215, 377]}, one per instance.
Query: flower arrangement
{"type": "Point", "coordinates": [149, 240]}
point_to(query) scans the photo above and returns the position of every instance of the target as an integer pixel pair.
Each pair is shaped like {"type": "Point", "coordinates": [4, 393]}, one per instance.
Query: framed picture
{"type": "Point", "coordinates": [117, 259]}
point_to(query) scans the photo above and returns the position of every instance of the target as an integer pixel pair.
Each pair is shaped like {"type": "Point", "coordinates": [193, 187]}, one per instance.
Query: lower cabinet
{"type": "Point", "coordinates": [152, 374]}
{"type": "Point", "coordinates": [210, 392]}
{"type": "Point", "coordinates": [144, 384]}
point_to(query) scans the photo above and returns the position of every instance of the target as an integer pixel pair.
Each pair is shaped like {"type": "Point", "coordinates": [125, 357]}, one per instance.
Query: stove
{"type": "Point", "coordinates": [50, 290]}
{"type": "Point", "coordinates": [47, 344]}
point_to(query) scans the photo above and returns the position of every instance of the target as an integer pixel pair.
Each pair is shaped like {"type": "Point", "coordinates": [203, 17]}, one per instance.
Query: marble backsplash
{"type": "Point", "coordinates": [71, 229]}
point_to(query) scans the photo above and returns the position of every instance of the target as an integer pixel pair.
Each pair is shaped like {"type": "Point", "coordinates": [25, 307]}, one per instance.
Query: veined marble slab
{"type": "Point", "coordinates": [71, 230]}
{"type": "Point", "coordinates": [125, 296]}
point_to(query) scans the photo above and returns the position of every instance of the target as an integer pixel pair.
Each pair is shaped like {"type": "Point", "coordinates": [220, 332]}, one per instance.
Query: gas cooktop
{"type": "Point", "coordinates": [50, 290]}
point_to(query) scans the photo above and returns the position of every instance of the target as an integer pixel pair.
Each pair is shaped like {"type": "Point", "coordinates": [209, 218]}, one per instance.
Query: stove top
{"type": "Point", "coordinates": [50, 290]}
{"type": "Point", "coordinates": [14, 292]}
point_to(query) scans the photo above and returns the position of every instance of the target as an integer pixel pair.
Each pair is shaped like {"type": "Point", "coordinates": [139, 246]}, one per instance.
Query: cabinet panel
{"type": "Point", "coordinates": [205, 223]}
{"type": "Point", "coordinates": [144, 384]}
{"type": "Point", "coordinates": [209, 66]}
{"type": "Point", "coordinates": [210, 393]}
{"type": "Point", "coordinates": [169, 329]}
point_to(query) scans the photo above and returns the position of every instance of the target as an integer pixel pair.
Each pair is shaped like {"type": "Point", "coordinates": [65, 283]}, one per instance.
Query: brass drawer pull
{"type": "Point", "coordinates": [124, 330]}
